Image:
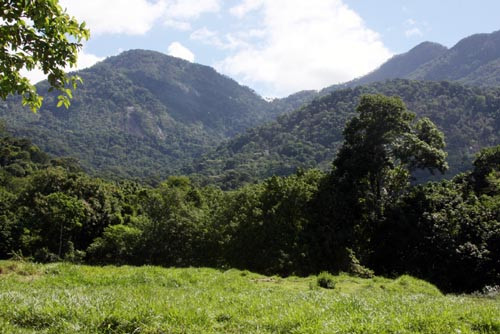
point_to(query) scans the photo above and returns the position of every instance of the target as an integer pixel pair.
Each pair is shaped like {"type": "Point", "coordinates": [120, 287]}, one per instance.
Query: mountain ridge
{"type": "Point", "coordinates": [140, 114]}
{"type": "Point", "coordinates": [147, 115]}
{"type": "Point", "coordinates": [433, 61]}
{"type": "Point", "coordinates": [310, 136]}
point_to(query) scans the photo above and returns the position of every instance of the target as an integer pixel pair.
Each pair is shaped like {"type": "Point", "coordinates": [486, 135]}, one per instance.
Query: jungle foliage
{"type": "Point", "coordinates": [311, 136]}
{"type": "Point", "coordinates": [363, 216]}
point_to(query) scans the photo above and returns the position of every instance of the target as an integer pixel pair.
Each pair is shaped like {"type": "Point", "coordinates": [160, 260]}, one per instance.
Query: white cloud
{"type": "Point", "coordinates": [34, 76]}
{"type": "Point", "coordinates": [178, 50]}
{"type": "Point", "coordinates": [226, 42]}
{"type": "Point", "coordinates": [84, 60]}
{"type": "Point", "coordinates": [414, 28]}
{"type": "Point", "coordinates": [178, 25]}
{"type": "Point", "coordinates": [410, 22]}
{"type": "Point", "coordinates": [191, 9]}
{"type": "Point", "coordinates": [245, 7]}
{"type": "Point", "coordinates": [179, 13]}
{"type": "Point", "coordinates": [137, 17]}
{"type": "Point", "coordinates": [133, 17]}
{"type": "Point", "coordinates": [302, 45]}
{"type": "Point", "coordinates": [207, 36]}
{"type": "Point", "coordinates": [413, 32]}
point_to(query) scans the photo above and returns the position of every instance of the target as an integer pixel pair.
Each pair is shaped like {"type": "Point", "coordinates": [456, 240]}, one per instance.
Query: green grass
{"type": "Point", "coordinates": [64, 298]}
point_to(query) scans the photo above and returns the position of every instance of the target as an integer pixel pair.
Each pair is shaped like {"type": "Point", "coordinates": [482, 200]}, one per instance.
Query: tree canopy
{"type": "Point", "coordinates": [38, 34]}
{"type": "Point", "coordinates": [382, 146]}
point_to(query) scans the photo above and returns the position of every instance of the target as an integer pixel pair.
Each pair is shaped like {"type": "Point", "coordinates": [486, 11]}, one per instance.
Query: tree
{"type": "Point", "coordinates": [486, 173]}
{"type": "Point", "coordinates": [38, 34]}
{"type": "Point", "coordinates": [382, 146]}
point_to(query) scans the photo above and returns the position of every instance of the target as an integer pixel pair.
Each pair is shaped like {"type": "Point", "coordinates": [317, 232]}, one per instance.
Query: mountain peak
{"type": "Point", "coordinates": [399, 66]}
{"type": "Point", "coordinates": [428, 47]}
{"type": "Point", "coordinates": [152, 60]}
{"type": "Point", "coordinates": [474, 60]}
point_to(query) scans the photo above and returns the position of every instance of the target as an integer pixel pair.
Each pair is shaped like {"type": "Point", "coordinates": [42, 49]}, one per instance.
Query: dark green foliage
{"type": "Point", "coordinates": [19, 157]}
{"type": "Point", "coordinates": [486, 173]}
{"type": "Point", "coordinates": [175, 226]}
{"type": "Point", "coordinates": [311, 136]}
{"type": "Point", "coordinates": [382, 146]}
{"type": "Point", "coordinates": [56, 203]}
{"type": "Point", "coordinates": [444, 233]}
{"type": "Point", "coordinates": [268, 224]}
{"type": "Point", "coordinates": [447, 232]}
{"type": "Point", "coordinates": [118, 244]}
{"type": "Point", "coordinates": [325, 280]}
{"type": "Point", "coordinates": [141, 114]}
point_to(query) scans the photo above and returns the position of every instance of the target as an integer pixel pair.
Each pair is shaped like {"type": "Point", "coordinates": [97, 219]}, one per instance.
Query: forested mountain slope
{"type": "Point", "coordinates": [147, 115]}
{"type": "Point", "coordinates": [400, 66]}
{"type": "Point", "coordinates": [474, 60]}
{"type": "Point", "coordinates": [310, 136]}
{"type": "Point", "coordinates": [140, 114]}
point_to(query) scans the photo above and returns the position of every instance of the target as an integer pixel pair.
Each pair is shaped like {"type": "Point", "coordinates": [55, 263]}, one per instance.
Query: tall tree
{"type": "Point", "coordinates": [382, 146]}
{"type": "Point", "coordinates": [37, 34]}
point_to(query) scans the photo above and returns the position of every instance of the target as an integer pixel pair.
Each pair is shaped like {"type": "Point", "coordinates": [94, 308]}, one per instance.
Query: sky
{"type": "Point", "coordinates": [278, 47]}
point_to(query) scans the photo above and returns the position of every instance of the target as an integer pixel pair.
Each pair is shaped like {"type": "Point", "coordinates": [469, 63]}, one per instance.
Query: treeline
{"type": "Point", "coordinates": [311, 136]}
{"type": "Point", "coordinates": [362, 217]}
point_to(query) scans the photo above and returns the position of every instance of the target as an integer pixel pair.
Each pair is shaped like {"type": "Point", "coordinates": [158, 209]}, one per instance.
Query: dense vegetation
{"type": "Point", "coordinates": [362, 217]}
{"type": "Point", "coordinates": [141, 114]}
{"type": "Point", "coordinates": [146, 115]}
{"type": "Point", "coordinates": [63, 298]}
{"type": "Point", "coordinates": [474, 60]}
{"type": "Point", "coordinates": [311, 136]}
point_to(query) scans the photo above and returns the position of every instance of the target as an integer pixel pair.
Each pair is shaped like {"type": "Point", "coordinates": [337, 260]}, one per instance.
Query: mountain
{"type": "Point", "coordinates": [309, 137]}
{"type": "Point", "coordinates": [140, 114]}
{"type": "Point", "coordinates": [400, 66]}
{"type": "Point", "coordinates": [474, 60]}
{"type": "Point", "coordinates": [143, 114]}
{"type": "Point", "coordinates": [192, 93]}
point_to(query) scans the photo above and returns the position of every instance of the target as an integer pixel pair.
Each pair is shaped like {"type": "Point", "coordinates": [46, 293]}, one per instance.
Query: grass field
{"type": "Point", "coordinates": [65, 298]}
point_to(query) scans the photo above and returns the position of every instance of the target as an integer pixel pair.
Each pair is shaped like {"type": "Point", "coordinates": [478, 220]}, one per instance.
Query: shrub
{"type": "Point", "coordinates": [326, 280]}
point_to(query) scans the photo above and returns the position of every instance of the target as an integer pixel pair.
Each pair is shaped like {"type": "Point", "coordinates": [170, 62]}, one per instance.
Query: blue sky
{"type": "Point", "coordinates": [278, 47]}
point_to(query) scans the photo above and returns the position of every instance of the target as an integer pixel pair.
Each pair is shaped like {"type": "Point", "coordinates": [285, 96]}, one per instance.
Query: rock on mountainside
{"type": "Point", "coordinates": [192, 93]}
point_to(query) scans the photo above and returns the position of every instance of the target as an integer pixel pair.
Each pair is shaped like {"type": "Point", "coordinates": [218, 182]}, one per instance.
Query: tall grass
{"type": "Point", "coordinates": [64, 298]}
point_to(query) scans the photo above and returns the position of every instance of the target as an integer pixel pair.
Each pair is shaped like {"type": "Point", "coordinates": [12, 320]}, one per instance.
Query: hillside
{"type": "Point", "coordinates": [474, 60]}
{"type": "Point", "coordinates": [310, 136]}
{"type": "Point", "coordinates": [143, 114]}
{"type": "Point", "coordinates": [140, 114]}
{"type": "Point", "coordinates": [158, 300]}
{"type": "Point", "coordinates": [400, 66]}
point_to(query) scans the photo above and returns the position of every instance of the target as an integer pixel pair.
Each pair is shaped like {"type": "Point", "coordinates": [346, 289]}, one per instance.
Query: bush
{"type": "Point", "coordinates": [356, 269]}
{"type": "Point", "coordinates": [326, 280]}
